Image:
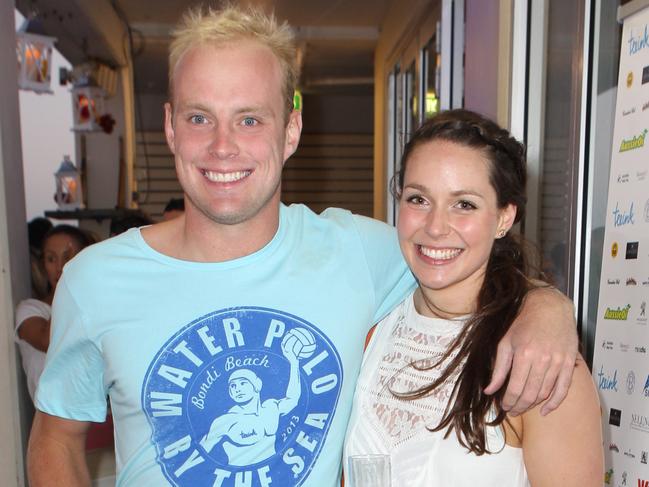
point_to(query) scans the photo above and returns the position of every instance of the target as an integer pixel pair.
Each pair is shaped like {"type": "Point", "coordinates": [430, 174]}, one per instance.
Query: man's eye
{"type": "Point", "coordinates": [197, 119]}
{"type": "Point", "coordinates": [249, 122]}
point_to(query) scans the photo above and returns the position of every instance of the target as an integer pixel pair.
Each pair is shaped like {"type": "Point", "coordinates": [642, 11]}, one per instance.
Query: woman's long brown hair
{"type": "Point", "coordinates": [504, 288]}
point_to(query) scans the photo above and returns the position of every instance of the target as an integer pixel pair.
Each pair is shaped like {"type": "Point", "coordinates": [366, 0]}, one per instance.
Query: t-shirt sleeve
{"type": "Point", "coordinates": [71, 385]}
{"type": "Point", "coordinates": [391, 278]}
{"type": "Point", "coordinates": [30, 308]}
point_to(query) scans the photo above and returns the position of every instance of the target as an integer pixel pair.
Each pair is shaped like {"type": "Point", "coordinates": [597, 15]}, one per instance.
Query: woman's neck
{"type": "Point", "coordinates": [432, 304]}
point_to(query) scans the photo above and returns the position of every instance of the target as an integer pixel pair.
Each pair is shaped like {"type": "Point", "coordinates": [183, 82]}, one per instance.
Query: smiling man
{"type": "Point", "coordinates": [160, 319]}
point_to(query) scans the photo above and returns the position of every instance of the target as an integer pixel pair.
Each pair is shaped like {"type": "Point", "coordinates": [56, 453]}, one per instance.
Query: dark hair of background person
{"type": "Point", "coordinates": [175, 204]}
{"type": "Point", "coordinates": [131, 220]}
{"type": "Point", "coordinates": [37, 228]}
{"type": "Point", "coordinates": [81, 237]}
{"type": "Point", "coordinates": [507, 279]}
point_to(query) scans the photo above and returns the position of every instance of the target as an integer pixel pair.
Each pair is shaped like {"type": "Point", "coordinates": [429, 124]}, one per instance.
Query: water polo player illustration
{"type": "Point", "coordinates": [248, 430]}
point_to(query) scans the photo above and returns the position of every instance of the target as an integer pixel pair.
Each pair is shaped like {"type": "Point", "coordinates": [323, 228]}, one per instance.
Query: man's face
{"type": "Point", "coordinates": [228, 131]}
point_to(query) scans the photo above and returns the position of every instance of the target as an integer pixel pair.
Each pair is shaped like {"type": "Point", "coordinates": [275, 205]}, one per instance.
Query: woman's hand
{"type": "Point", "coordinates": [541, 349]}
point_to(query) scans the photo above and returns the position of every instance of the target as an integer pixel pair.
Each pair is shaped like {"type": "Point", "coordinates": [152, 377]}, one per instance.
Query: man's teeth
{"type": "Point", "coordinates": [225, 177]}
{"type": "Point", "coordinates": [440, 254]}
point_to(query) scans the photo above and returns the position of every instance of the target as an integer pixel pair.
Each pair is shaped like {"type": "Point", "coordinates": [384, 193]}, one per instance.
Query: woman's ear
{"type": "Point", "coordinates": [506, 219]}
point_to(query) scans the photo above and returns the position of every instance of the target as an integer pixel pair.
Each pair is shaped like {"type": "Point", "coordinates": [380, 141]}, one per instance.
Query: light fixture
{"type": "Point", "coordinates": [34, 51]}
{"type": "Point", "coordinates": [87, 105]}
{"type": "Point", "coordinates": [68, 186]}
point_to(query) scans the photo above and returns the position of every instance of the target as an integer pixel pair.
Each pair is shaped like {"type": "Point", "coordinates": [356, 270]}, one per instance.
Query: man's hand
{"type": "Point", "coordinates": [541, 349]}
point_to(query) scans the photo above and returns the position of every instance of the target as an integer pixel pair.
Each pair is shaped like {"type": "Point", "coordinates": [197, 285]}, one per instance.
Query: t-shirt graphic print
{"type": "Point", "coordinates": [242, 396]}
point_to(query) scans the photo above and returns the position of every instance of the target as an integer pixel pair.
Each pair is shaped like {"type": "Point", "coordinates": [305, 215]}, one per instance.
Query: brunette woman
{"type": "Point", "coordinates": [420, 395]}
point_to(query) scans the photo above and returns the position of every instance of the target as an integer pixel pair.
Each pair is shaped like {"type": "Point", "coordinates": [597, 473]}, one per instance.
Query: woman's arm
{"type": "Point", "coordinates": [35, 330]}
{"type": "Point", "coordinates": [565, 448]}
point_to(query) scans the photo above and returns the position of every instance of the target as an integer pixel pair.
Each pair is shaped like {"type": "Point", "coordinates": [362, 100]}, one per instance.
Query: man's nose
{"type": "Point", "coordinates": [223, 144]}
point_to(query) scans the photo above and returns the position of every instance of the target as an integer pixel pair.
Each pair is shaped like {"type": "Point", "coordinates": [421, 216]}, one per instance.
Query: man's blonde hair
{"type": "Point", "coordinates": [200, 26]}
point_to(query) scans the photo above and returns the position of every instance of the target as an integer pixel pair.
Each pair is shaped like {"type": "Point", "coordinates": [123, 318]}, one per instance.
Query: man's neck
{"type": "Point", "coordinates": [195, 238]}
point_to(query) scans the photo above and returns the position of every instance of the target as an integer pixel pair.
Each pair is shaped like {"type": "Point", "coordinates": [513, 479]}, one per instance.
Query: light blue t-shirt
{"type": "Point", "coordinates": [239, 373]}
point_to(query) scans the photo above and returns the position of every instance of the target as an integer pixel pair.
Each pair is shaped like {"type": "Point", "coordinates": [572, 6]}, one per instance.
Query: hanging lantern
{"type": "Point", "coordinates": [34, 51]}
{"type": "Point", "coordinates": [88, 105]}
{"type": "Point", "coordinates": [68, 186]}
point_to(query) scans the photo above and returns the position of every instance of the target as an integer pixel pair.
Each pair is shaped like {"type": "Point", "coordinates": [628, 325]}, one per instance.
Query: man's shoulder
{"type": "Point", "coordinates": [338, 217]}
{"type": "Point", "coordinates": [104, 253]}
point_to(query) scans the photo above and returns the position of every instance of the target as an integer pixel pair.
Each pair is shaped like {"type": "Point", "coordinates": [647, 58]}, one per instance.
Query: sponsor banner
{"type": "Point", "coordinates": [620, 363]}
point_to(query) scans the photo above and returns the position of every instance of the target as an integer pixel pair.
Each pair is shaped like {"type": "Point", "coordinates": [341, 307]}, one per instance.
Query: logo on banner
{"type": "Point", "coordinates": [642, 317]}
{"type": "Point", "coordinates": [629, 453]}
{"type": "Point", "coordinates": [608, 476]}
{"type": "Point", "coordinates": [645, 106]}
{"type": "Point", "coordinates": [631, 250]}
{"type": "Point", "coordinates": [607, 345]}
{"type": "Point", "coordinates": [629, 79]}
{"type": "Point", "coordinates": [613, 447]}
{"type": "Point", "coordinates": [630, 111]}
{"type": "Point", "coordinates": [623, 177]}
{"type": "Point", "coordinates": [242, 396]}
{"type": "Point", "coordinates": [643, 483]}
{"type": "Point", "coordinates": [607, 382]}
{"type": "Point", "coordinates": [613, 282]}
{"type": "Point", "coordinates": [630, 383]}
{"type": "Point", "coordinates": [634, 143]}
{"type": "Point", "coordinates": [622, 217]}
{"type": "Point", "coordinates": [615, 417]}
{"type": "Point", "coordinates": [620, 314]}
{"type": "Point", "coordinates": [631, 281]}
{"type": "Point", "coordinates": [624, 347]}
{"type": "Point", "coordinates": [639, 41]}
{"type": "Point", "coordinates": [643, 457]}
{"type": "Point", "coordinates": [641, 175]}
{"type": "Point", "coordinates": [614, 249]}
{"type": "Point", "coordinates": [624, 475]}
{"type": "Point", "coordinates": [645, 282]}
{"type": "Point", "coordinates": [645, 75]}
{"type": "Point", "coordinates": [639, 422]}
{"type": "Point", "coordinates": [645, 390]}
{"type": "Point", "coordinates": [641, 349]}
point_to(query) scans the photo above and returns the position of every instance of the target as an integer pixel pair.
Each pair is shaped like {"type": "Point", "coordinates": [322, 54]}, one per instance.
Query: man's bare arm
{"type": "Point", "coordinates": [56, 453]}
{"type": "Point", "coordinates": [541, 349]}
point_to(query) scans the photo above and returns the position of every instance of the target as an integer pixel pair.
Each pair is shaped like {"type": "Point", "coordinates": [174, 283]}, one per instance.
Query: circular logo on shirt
{"type": "Point", "coordinates": [242, 397]}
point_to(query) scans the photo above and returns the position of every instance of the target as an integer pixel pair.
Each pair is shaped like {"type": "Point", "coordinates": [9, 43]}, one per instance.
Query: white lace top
{"type": "Point", "coordinates": [382, 423]}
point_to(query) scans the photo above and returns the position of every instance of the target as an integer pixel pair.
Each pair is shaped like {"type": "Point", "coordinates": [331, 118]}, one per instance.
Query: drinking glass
{"type": "Point", "coordinates": [368, 470]}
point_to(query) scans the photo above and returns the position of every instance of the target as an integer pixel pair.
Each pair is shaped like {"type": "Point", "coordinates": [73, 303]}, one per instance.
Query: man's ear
{"type": "Point", "coordinates": [169, 127]}
{"type": "Point", "coordinates": [293, 131]}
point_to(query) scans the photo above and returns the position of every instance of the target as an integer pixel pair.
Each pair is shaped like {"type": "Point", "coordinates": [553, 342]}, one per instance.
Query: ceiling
{"type": "Point", "coordinates": [337, 37]}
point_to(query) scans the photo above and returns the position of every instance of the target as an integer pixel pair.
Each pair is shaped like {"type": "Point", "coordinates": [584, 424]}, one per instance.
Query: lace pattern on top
{"type": "Point", "coordinates": [422, 341]}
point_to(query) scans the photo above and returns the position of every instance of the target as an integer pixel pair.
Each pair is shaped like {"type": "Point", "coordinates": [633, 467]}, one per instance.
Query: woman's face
{"type": "Point", "coordinates": [58, 249]}
{"type": "Point", "coordinates": [449, 218]}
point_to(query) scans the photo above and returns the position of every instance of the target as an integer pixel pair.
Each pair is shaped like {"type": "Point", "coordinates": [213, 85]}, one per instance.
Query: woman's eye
{"type": "Point", "coordinates": [466, 205]}
{"type": "Point", "coordinates": [415, 200]}
{"type": "Point", "coordinates": [198, 119]}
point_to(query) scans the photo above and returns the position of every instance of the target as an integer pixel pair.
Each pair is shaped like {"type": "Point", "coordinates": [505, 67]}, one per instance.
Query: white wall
{"type": "Point", "coordinates": [14, 257]}
{"type": "Point", "coordinates": [45, 123]}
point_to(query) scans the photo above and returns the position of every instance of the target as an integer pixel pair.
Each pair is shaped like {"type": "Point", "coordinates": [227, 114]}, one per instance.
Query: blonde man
{"type": "Point", "coordinates": [159, 318]}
